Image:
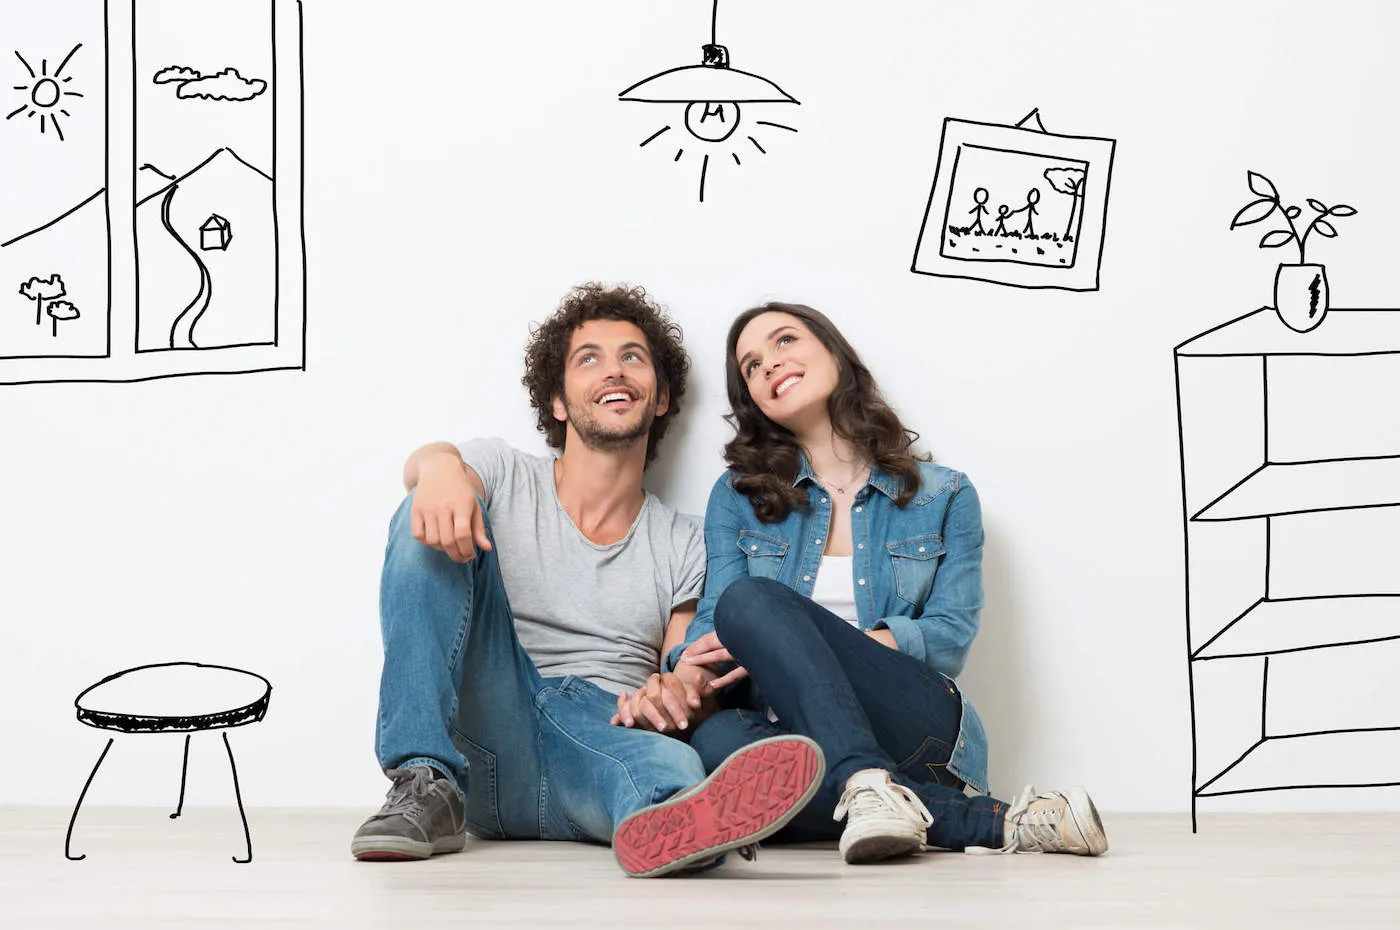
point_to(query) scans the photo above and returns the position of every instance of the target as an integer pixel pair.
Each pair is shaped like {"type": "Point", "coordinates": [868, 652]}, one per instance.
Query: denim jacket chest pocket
{"type": "Point", "coordinates": [915, 562]}
{"type": "Point", "coordinates": [765, 554]}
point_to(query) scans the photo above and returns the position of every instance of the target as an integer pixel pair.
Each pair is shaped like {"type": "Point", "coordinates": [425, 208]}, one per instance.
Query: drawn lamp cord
{"type": "Point", "coordinates": [711, 92]}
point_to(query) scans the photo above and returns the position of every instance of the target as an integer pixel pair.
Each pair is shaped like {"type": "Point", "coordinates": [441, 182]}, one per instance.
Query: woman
{"type": "Point", "coordinates": [845, 580]}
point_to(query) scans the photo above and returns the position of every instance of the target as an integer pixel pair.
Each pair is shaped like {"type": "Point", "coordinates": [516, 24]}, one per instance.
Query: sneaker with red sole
{"type": "Point", "coordinates": [749, 796]}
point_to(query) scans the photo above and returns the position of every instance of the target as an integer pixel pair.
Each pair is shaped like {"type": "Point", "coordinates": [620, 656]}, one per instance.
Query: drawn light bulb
{"type": "Point", "coordinates": [711, 93]}
{"type": "Point", "coordinates": [712, 122]}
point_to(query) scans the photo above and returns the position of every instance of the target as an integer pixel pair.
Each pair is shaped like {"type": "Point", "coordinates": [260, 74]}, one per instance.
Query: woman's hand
{"type": "Point", "coordinates": [708, 650]}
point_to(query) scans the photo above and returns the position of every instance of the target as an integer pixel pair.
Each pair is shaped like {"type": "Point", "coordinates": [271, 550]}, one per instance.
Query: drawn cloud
{"type": "Point", "coordinates": [175, 74]}
{"type": "Point", "coordinates": [227, 84]}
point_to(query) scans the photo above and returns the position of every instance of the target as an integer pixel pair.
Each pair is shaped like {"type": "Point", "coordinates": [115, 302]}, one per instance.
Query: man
{"type": "Point", "coordinates": [521, 594]}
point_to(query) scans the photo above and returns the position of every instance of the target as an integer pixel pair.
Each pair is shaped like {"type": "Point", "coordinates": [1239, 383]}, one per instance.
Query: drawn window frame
{"type": "Point", "coordinates": [123, 359]}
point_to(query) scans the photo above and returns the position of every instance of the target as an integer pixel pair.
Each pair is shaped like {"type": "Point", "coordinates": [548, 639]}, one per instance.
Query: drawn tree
{"type": "Point", "coordinates": [1068, 181]}
{"type": "Point", "coordinates": [40, 290]}
{"type": "Point", "coordinates": [62, 310]}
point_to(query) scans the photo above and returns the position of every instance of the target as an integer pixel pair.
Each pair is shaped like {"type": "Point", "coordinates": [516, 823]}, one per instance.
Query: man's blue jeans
{"type": "Point", "coordinates": [535, 757]}
{"type": "Point", "coordinates": [866, 705]}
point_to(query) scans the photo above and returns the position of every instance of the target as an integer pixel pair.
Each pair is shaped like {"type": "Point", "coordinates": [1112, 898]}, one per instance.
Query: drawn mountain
{"type": "Point", "coordinates": [206, 244]}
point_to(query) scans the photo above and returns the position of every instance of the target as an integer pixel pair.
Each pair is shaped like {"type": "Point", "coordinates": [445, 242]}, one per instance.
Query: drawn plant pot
{"type": "Point", "coordinates": [1300, 295]}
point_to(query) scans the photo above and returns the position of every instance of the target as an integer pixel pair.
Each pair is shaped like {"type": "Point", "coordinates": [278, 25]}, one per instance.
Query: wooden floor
{"type": "Point", "coordinates": [146, 871]}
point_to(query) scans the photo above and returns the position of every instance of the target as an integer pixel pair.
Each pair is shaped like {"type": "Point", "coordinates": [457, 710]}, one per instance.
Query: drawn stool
{"type": "Point", "coordinates": [173, 697]}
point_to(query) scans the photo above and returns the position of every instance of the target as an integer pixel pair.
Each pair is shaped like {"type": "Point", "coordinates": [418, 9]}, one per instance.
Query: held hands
{"type": "Point", "coordinates": [668, 702]}
{"type": "Point", "coordinates": [708, 650]}
{"type": "Point", "coordinates": [672, 702]}
{"type": "Point", "coordinates": [446, 513]}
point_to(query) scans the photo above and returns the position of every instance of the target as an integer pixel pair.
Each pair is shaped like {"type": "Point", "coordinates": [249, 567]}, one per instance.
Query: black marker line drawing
{"type": "Point", "coordinates": [1283, 479]}
{"type": "Point", "coordinates": [1300, 290]}
{"type": "Point", "coordinates": [1016, 205]}
{"type": "Point", "coordinates": [54, 226]}
{"type": "Point", "coordinates": [173, 697]}
{"type": "Point", "coordinates": [216, 111]}
{"type": "Point", "coordinates": [227, 84]}
{"type": "Point", "coordinates": [230, 297]}
{"type": "Point", "coordinates": [711, 93]}
{"type": "Point", "coordinates": [46, 92]}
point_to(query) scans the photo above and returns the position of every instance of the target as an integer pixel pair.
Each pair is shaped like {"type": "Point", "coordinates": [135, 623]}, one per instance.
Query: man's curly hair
{"type": "Point", "coordinates": [548, 348]}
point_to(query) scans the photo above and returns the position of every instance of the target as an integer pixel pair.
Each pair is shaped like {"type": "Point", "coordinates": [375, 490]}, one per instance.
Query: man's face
{"type": "Point", "coordinates": [610, 394]}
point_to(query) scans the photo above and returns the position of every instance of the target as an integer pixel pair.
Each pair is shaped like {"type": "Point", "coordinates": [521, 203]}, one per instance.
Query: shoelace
{"type": "Point", "coordinates": [1033, 831]}
{"type": "Point", "coordinates": [409, 793]}
{"type": "Point", "coordinates": [875, 799]}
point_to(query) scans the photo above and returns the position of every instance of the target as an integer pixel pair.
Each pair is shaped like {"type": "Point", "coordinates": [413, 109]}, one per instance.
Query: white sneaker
{"type": "Point", "coordinates": [1055, 822]}
{"type": "Point", "coordinates": [883, 818]}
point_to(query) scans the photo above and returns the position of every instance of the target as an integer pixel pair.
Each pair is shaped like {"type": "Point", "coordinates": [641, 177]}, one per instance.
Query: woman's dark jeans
{"type": "Point", "coordinates": [867, 706]}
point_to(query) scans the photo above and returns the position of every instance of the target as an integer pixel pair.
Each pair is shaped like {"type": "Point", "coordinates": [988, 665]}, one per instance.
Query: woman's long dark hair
{"type": "Point", "coordinates": [767, 457]}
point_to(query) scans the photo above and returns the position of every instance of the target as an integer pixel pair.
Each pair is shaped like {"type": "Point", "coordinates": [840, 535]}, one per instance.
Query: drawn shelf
{"type": "Point", "coordinates": [1275, 627]}
{"type": "Point", "coordinates": [1275, 523]}
{"type": "Point", "coordinates": [1346, 759]}
{"type": "Point", "coordinates": [1281, 489]}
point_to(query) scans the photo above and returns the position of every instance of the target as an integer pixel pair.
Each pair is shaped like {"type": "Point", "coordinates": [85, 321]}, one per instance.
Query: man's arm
{"type": "Point", "coordinates": [438, 454]}
{"type": "Point", "coordinates": [446, 494]}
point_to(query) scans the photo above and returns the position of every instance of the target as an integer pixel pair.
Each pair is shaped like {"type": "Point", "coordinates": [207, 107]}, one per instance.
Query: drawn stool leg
{"type": "Point", "coordinates": [184, 767]}
{"type": "Point", "coordinates": [247, 838]}
{"type": "Point", "coordinates": [67, 840]}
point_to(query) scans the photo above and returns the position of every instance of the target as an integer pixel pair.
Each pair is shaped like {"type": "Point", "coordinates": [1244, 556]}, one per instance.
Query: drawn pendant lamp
{"type": "Point", "coordinates": [711, 93]}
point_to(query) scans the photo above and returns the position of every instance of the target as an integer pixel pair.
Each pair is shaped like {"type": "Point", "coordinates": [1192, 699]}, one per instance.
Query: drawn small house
{"type": "Point", "coordinates": [216, 233]}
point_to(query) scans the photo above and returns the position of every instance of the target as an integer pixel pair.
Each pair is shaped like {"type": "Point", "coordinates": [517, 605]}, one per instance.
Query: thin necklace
{"type": "Point", "coordinates": [841, 488]}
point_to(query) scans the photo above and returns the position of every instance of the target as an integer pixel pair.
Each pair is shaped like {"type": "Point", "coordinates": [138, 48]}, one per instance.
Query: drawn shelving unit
{"type": "Point", "coordinates": [1290, 476]}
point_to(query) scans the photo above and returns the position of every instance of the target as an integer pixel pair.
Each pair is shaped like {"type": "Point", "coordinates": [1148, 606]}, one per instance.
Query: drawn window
{"type": "Point", "coordinates": [205, 221]}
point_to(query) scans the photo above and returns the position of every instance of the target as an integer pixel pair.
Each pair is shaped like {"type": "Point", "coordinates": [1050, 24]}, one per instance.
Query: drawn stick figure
{"type": "Point", "coordinates": [980, 197]}
{"type": "Point", "coordinates": [1032, 198]}
{"type": "Point", "coordinates": [1003, 212]}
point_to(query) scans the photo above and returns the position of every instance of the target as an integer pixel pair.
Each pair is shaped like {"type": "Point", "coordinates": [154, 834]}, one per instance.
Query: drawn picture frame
{"type": "Point", "coordinates": [1006, 179]}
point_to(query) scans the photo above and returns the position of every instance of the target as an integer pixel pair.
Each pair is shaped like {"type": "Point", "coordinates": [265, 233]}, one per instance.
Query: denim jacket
{"type": "Point", "coordinates": [918, 571]}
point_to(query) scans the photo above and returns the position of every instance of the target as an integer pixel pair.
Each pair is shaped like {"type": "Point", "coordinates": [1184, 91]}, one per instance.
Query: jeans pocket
{"type": "Point", "coordinates": [929, 764]}
{"type": "Point", "coordinates": [482, 816]}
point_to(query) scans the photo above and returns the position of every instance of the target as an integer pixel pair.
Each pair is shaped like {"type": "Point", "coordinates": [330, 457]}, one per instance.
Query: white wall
{"type": "Point", "coordinates": [467, 163]}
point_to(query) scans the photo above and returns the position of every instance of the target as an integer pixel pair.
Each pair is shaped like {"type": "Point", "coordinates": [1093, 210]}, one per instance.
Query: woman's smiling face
{"type": "Point", "coordinates": [789, 373]}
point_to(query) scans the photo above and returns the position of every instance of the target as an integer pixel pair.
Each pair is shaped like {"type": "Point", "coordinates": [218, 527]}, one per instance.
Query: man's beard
{"type": "Point", "coordinates": [599, 437]}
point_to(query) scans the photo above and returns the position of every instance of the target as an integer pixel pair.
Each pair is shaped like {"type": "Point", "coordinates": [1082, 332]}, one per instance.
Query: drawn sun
{"type": "Point", "coordinates": [46, 92]}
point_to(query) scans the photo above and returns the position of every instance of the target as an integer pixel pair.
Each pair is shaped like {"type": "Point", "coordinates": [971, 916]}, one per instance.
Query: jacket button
{"type": "Point", "coordinates": [823, 500]}
{"type": "Point", "coordinates": [921, 548]}
{"type": "Point", "coordinates": [860, 545]}
{"type": "Point", "coordinates": [858, 509]}
{"type": "Point", "coordinates": [862, 581]}
{"type": "Point", "coordinates": [753, 548]}
{"type": "Point", "coordinates": [806, 577]}
{"type": "Point", "coordinates": [816, 542]}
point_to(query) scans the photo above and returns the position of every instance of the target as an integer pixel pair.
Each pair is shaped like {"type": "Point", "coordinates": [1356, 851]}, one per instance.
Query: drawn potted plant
{"type": "Point", "coordinates": [1300, 290]}
{"type": "Point", "coordinates": [61, 310]}
{"type": "Point", "coordinates": [40, 290]}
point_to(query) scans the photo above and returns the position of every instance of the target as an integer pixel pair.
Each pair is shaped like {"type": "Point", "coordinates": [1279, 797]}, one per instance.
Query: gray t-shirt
{"type": "Point", "coordinates": [598, 612]}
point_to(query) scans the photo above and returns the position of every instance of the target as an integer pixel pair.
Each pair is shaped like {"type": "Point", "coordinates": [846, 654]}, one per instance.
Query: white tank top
{"type": "Point", "coordinates": [835, 587]}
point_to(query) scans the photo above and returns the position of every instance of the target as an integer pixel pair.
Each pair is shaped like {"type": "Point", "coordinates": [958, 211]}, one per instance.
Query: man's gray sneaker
{"type": "Point", "coordinates": [422, 816]}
